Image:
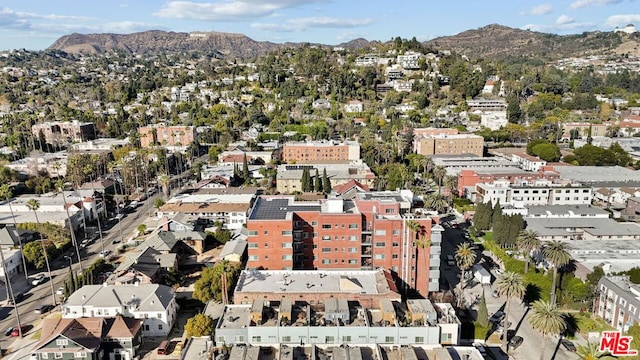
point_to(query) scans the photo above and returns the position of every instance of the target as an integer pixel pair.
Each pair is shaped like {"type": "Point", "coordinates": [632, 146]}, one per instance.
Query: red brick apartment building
{"type": "Point", "coordinates": [169, 136]}
{"type": "Point", "coordinates": [366, 233]}
{"type": "Point", "coordinates": [469, 178]}
{"type": "Point", "coordinates": [320, 152]}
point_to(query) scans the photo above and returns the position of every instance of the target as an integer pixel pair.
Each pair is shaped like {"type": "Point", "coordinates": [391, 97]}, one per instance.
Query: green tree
{"type": "Point", "coordinates": [245, 169]}
{"type": "Point", "coordinates": [305, 181]}
{"type": "Point", "coordinates": [223, 235]}
{"type": "Point", "coordinates": [514, 112]}
{"type": "Point", "coordinates": [34, 205]}
{"type": "Point", "coordinates": [158, 202]}
{"type": "Point", "coordinates": [527, 242]}
{"type": "Point", "coordinates": [483, 312]}
{"type": "Point", "coordinates": [317, 182]}
{"type": "Point", "coordinates": [556, 254]}
{"type": "Point", "coordinates": [210, 284]}
{"type": "Point", "coordinates": [439, 172]}
{"type": "Point", "coordinates": [142, 229]}
{"type": "Point", "coordinates": [547, 152]}
{"type": "Point", "coordinates": [482, 216]}
{"type": "Point", "coordinates": [496, 214]}
{"type": "Point", "coordinates": [199, 325]}
{"type": "Point", "coordinates": [510, 285]}
{"type": "Point", "coordinates": [436, 202]}
{"type": "Point", "coordinates": [326, 182]}
{"type": "Point", "coordinates": [546, 319]}
{"type": "Point", "coordinates": [591, 351]}
{"type": "Point", "coordinates": [6, 194]}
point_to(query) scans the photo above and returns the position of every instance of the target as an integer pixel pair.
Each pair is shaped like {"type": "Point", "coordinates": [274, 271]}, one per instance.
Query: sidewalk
{"type": "Point", "coordinates": [20, 348]}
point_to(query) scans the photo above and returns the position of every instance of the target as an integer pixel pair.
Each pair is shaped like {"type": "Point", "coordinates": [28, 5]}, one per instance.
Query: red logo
{"type": "Point", "coordinates": [616, 344]}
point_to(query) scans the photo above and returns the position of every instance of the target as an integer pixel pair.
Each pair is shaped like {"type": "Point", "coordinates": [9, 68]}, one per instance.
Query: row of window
{"type": "Point", "coordinates": [327, 339]}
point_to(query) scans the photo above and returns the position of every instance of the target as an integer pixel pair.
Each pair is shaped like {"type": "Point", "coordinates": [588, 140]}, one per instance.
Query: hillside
{"type": "Point", "coordinates": [497, 41]}
{"type": "Point", "coordinates": [221, 44]}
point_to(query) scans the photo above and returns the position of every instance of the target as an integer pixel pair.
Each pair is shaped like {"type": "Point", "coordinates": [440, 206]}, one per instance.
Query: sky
{"type": "Point", "coordinates": [36, 24]}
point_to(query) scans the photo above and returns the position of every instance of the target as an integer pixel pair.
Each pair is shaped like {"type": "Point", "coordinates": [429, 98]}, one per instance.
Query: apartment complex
{"type": "Point", "coordinates": [540, 192]}
{"type": "Point", "coordinates": [64, 132]}
{"type": "Point", "coordinates": [176, 138]}
{"type": "Point", "coordinates": [468, 178]}
{"type": "Point", "coordinates": [618, 301]}
{"type": "Point", "coordinates": [289, 177]}
{"type": "Point", "coordinates": [368, 232]}
{"type": "Point", "coordinates": [443, 144]}
{"type": "Point", "coordinates": [320, 152]}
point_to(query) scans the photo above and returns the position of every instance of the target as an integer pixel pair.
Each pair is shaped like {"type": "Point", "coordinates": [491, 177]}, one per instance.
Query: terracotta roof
{"type": "Point", "coordinates": [124, 327]}
{"type": "Point", "coordinates": [342, 188]}
{"type": "Point", "coordinates": [83, 331]}
{"type": "Point", "coordinates": [204, 208]}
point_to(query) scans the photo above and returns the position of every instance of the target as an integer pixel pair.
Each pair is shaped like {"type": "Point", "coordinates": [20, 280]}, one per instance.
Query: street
{"type": "Point", "coordinates": [41, 294]}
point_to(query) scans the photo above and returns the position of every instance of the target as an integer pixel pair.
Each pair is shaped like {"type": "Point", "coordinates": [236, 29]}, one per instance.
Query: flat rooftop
{"type": "Point", "coordinates": [593, 226]}
{"type": "Point", "coordinates": [235, 317]}
{"type": "Point", "coordinates": [312, 281]}
{"type": "Point", "coordinates": [565, 210]}
{"type": "Point", "coordinates": [602, 175]}
{"type": "Point", "coordinates": [482, 170]}
{"type": "Point", "coordinates": [279, 208]}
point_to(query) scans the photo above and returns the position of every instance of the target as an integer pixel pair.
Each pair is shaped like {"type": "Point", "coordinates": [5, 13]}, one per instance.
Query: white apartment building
{"type": "Point", "coordinates": [541, 192]}
{"type": "Point", "coordinates": [153, 303]}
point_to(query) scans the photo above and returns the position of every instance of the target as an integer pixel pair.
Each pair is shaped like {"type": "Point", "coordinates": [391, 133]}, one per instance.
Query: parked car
{"type": "Point", "coordinates": [495, 293]}
{"type": "Point", "coordinates": [60, 291]}
{"type": "Point", "coordinates": [568, 344]}
{"type": "Point", "coordinates": [105, 253]}
{"type": "Point", "coordinates": [43, 309]}
{"type": "Point", "coordinates": [16, 332]}
{"type": "Point", "coordinates": [500, 327]}
{"type": "Point", "coordinates": [480, 348]}
{"type": "Point", "coordinates": [515, 342]}
{"type": "Point", "coordinates": [497, 317]}
{"type": "Point", "coordinates": [39, 279]}
{"type": "Point", "coordinates": [8, 331]}
{"type": "Point", "coordinates": [119, 217]}
{"type": "Point", "coordinates": [19, 297]}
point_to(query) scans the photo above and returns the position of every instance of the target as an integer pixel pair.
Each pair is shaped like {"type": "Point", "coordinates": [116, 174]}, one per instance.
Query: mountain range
{"type": "Point", "coordinates": [491, 41]}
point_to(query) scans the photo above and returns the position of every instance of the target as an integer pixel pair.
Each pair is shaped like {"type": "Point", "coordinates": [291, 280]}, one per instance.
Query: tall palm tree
{"type": "Point", "coordinates": [509, 284]}
{"type": "Point", "coordinates": [591, 351]}
{"type": "Point", "coordinates": [423, 243]}
{"type": "Point", "coordinates": [34, 205]}
{"type": "Point", "coordinates": [465, 258]}
{"type": "Point", "coordinates": [439, 172]}
{"type": "Point", "coordinates": [74, 240]}
{"type": "Point", "coordinates": [527, 242]}
{"type": "Point", "coordinates": [6, 194]}
{"type": "Point", "coordinates": [165, 181]}
{"type": "Point", "coordinates": [546, 319]}
{"type": "Point", "coordinates": [557, 255]}
{"type": "Point", "coordinates": [451, 184]}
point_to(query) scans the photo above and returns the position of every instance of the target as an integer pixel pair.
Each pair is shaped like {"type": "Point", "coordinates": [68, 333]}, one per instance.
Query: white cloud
{"type": "Point", "coordinates": [542, 9]}
{"type": "Point", "coordinates": [301, 24]}
{"type": "Point", "coordinates": [564, 20]}
{"type": "Point", "coordinates": [226, 10]}
{"type": "Point", "coordinates": [582, 3]}
{"type": "Point", "coordinates": [350, 35]}
{"type": "Point", "coordinates": [570, 27]}
{"type": "Point", "coordinates": [622, 20]}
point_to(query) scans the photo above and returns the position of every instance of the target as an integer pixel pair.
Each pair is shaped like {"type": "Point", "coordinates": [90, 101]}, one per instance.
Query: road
{"type": "Point", "coordinates": [41, 294]}
{"type": "Point", "coordinates": [531, 347]}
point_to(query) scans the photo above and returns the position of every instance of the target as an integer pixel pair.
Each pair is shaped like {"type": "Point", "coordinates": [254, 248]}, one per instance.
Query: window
{"type": "Point", "coordinates": [389, 339]}
{"type": "Point", "coordinates": [381, 232]}
{"type": "Point", "coordinates": [353, 226]}
{"type": "Point", "coordinates": [326, 226]}
{"type": "Point", "coordinates": [353, 261]}
{"type": "Point", "coordinates": [159, 327]}
{"type": "Point", "coordinates": [252, 246]}
{"type": "Point", "coordinates": [159, 315]}
{"type": "Point", "coordinates": [256, 338]}
{"type": "Point", "coordinates": [286, 232]}
{"type": "Point", "coordinates": [239, 338]}
{"type": "Point", "coordinates": [254, 257]}
{"type": "Point", "coordinates": [326, 250]}
{"type": "Point", "coordinates": [57, 355]}
{"type": "Point", "coordinates": [44, 355]}
{"type": "Point", "coordinates": [353, 238]}
{"type": "Point", "coordinates": [221, 339]}
{"type": "Point", "coordinates": [346, 338]}
{"type": "Point", "coordinates": [286, 245]}
{"type": "Point", "coordinates": [378, 256]}
{"type": "Point", "coordinates": [353, 250]}
{"type": "Point", "coordinates": [314, 223]}
{"type": "Point", "coordinates": [419, 339]}
{"type": "Point", "coordinates": [330, 339]}
{"type": "Point", "coordinates": [395, 244]}
{"type": "Point", "coordinates": [62, 342]}
{"type": "Point", "coordinates": [394, 256]}
{"type": "Point", "coordinates": [445, 337]}
{"type": "Point", "coordinates": [286, 339]}
{"type": "Point", "coordinates": [80, 355]}
{"type": "Point", "coordinates": [380, 244]}
{"type": "Point", "coordinates": [389, 211]}
{"type": "Point", "coordinates": [286, 257]}
{"type": "Point", "coordinates": [396, 232]}
{"type": "Point", "coordinates": [253, 233]}
{"type": "Point", "coordinates": [326, 261]}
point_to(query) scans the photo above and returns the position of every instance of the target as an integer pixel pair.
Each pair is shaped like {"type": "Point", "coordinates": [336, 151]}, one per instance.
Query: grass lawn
{"type": "Point", "coordinates": [36, 335]}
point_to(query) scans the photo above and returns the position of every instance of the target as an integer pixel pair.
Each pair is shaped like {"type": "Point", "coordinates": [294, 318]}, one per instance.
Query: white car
{"type": "Point", "coordinates": [38, 279]}
{"type": "Point", "coordinates": [60, 291]}
{"type": "Point", "coordinates": [105, 253]}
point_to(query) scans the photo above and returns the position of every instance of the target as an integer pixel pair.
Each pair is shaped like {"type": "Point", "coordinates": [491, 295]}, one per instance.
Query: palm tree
{"type": "Point", "coordinates": [6, 194]}
{"type": "Point", "coordinates": [423, 243]}
{"type": "Point", "coordinates": [546, 319]}
{"type": "Point", "coordinates": [510, 285]}
{"type": "Point", "coordinates": [465, 258]}
{"type": "Point", "coordinates": [164, 180]}
{"type": "Point", "coordinates": [527, 242]}
{"type": "Point", "coordinates": [439, 172]}
{"type": "Point", "coordinates": [436, 202]}
{"type": "Point", "coordinates": [34, 205]}
{"type": "Point", "coordinates": [557, 255]}
{"type": "Point", "coordinates": [591, 351]}
{"type": "Point", "coordinates": [451, 184]}
{"type": "Point", "coordinates": [74, 240]}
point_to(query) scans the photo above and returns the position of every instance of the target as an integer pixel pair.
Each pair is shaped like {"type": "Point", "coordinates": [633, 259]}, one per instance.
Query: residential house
{"type": "Point", "coordinates": [618, 302]}
{"type": "Point", "coordinates": [528, 162]}
{"type": "Point", "coordinates": [354, 106]}
{"type": "Point", "coordinates": [154, 304]}
{"type": "Point", "coordinates": [235, 250]}
{"type": "Point", "coordinates": [93, 338]}
{"type": "Point", "coordinates": [494, 120]}
{"type": "Point", "coordinates": [632, 210]}
{"type": "Point", "coordinates": [146, 266]}
{"type": "Point", "coordinates": [321, 104]}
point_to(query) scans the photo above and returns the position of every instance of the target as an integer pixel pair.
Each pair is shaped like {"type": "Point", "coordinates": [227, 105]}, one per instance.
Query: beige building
{"type": "Point", "coordinates": [289, 177]}
{"type": "Point", "coordinates": [320, 152]}
{"type": "Point", "coordinates": [449, 144]}
{"type": "Point", "coordinates": [64, 132]}
{"type": "Point", "coordinates": [171, 137]}
{"type": "Point", "coordinates": [597, 130]}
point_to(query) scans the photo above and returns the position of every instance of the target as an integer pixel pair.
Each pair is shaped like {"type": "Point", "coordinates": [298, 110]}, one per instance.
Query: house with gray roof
{"type": "Point", "coordinates": [146, 266]}
{"type": "Point", "coordinates": [154, 304]}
